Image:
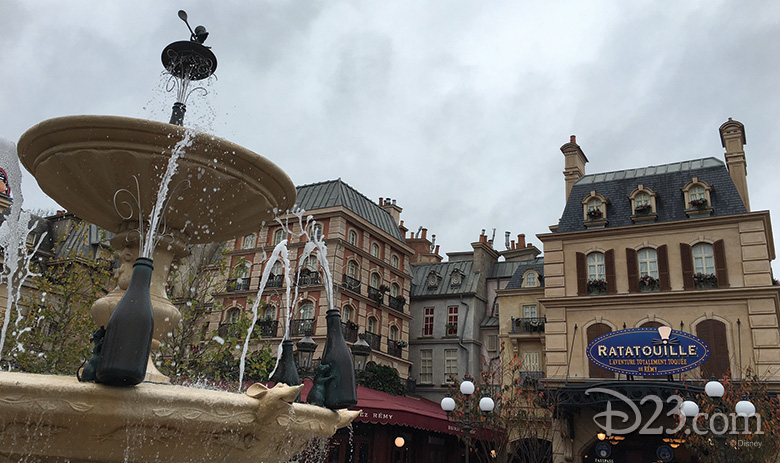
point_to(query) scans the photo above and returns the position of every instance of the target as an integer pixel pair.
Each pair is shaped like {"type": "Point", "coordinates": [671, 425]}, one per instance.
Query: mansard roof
{"type": "Point", "coordinates": [517, 278]}
{"type": "Point", "coordinates": [336, 193]}
{"type": "Point", "coordinates": [665, 180]}
{"type": "Point", "coordinates": [444, 270]}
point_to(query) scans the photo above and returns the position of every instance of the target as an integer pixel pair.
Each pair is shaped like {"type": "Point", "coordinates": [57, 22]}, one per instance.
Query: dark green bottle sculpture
{"type": "Point", "coordinates": [128, 340]}
{"type": "Point", "coordinates": [341, 389]}
{"type": "Point", "coordinates": [287, 372]}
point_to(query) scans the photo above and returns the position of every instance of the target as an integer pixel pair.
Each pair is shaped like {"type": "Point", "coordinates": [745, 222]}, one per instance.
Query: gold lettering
{"type": "Point", "coordinates": [602, 351]}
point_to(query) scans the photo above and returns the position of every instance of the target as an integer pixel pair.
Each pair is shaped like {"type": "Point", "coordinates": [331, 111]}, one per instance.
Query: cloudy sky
{"type": "Point", "coordinates": [456, 109]}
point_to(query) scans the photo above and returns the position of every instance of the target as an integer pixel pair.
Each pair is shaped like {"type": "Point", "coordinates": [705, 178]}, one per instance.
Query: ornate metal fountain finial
{"type": "Point", "coordinates": [187, 61]}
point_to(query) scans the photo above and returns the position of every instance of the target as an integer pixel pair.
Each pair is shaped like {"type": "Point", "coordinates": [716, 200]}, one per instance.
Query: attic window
{"type": "Point", "coordinates": [530, 280]}
{"type": "Point", "coordinates": [433, 280]}
{"type": "Point", "coordinates": [594, 210]}
{"type": "Point", "coordinates": [456, 278]}
{"type": "Point", "coordinates": [697, 198]}
{"type": "Point", "coordinates": [643, 205]}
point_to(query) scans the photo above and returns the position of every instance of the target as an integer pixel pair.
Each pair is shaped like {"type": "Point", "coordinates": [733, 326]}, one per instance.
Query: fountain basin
{"type": "Point", "coordinates": [54, 418]}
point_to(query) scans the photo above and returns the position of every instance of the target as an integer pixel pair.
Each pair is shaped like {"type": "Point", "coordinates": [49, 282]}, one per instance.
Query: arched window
{"type": "Point", "coordinates": [641, 199]}
{"type": "Point", "coordinates": [394, 333]}
{"type": "Point", "coordinates": [713, 333]}
{"type": "Point", "coordinates": [316, 232]}
{"type": "Point", "coordinates": [394, 261]}
{"type": "Point", "coordinates": [232, 315]}
{"type": "Point", "coordinates": [270, 312]}
{"type": "Point", "coordinates": [352, 269]}
{"type": "Point", "coordinates": [346, 313]}
{"type": "Point", "coordinates": [376, 280]}
{"type": "Point", "coordinates": [279, 235]}
{"type": "Point", "coordinates": [352, 238]}
{"type": "Point", "coordinates": [594, 331]}
{"type": "Point", "coordinates": [307, 310]}
{"type": "Point", "coordinates": [371, 325]}
{"type": "Point", "coordinates": [375, 250]}
{"type": "Point", "coordinates": [595, 208]}
{"type": "Point", "coordinates": [277, 269]}
{"type": "Point", "coordinates": [530, 280]}
{"type": "Point", "coordinates": [596, 266]}
{"type": "Point", "coordinates": [249, 241]}
{"type": "Point", "coordinates": [395, 290]}
{"type": "Point", "coordinates": [697, 193]}
{"type": "Point", "coordinates": [703, 259]}
{"type": "Point", "coordinates": [311, 263]}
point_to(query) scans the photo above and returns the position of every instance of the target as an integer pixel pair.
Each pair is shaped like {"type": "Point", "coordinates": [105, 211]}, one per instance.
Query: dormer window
{"type": "Point", "coordinates": [456, 278]}
{"type": "Point", "coordinates": [530, 280]}
{"type": "Point", "coordinates": [433, 280]}
{"type": "Point", "coordinates": [594, 208]}
{"type": "Point", "coordinates": [697, 198]}
{"type": "Point", "coordinates": [643, 204]}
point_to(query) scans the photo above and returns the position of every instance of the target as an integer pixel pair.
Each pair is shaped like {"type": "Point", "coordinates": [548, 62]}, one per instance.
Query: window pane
{"type": "Point", "coordinates": [703, 259]}
{"type": "Point", "coordinates": [426, 366]}
{"type": "Point", "coordinates": [648, 262]}
{"type": "Point", "coordinates": [529, 311]}
{"type": "Point", "coordinates": [428, 322]}
{"type": "Point", "coordinates": [450, 363]}
{"type": "Point", "coordinates": [595, 266]}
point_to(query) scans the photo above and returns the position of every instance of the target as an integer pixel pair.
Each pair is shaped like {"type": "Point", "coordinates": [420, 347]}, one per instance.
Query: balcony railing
{"type": "Point", "coordinates": [350, 332]}
{"type": "Point", "coordinates": [228, 330]}
{"type": "Point", "coordinates": [526, 377]}
{"type": "Point", "coordinates": [308, 278]}
{"type": "Point", "coordinates": [275, 281]}
{"type": "Point", "coordinates": [237, 284]}
{"type": "Point", "coordinates": [376, 295]}
{"type": "Point", "coordinates": [396, 303]}
{"type": "Point", "coordinates": [267, 328]}
{"type": "Point", "coordinates": [395, 348]}
{"type": "Point", "coordinates": [351, 284]}
{"type": "Point", "coordinates": [301, 326]}
{"type": "Point", "coordinates": [374, 340]}
{"type": "Point", "coordinates": [528, 325]}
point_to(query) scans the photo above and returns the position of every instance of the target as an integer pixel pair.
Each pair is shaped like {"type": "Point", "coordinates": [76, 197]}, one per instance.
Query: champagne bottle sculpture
{"type": "Point", "coordinates": [341, 389]}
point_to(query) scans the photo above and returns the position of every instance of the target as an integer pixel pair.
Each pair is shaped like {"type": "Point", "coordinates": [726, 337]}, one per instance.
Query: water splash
{"type": "Point", "coordinates": [14, 231]}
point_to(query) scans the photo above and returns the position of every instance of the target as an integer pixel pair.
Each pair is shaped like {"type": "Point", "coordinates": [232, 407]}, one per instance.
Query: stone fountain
{"type": "Point", "coordinates": [225, 191]}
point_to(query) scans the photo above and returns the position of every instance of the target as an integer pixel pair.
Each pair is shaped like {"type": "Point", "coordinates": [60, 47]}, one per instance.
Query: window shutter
{"type": "Point", "coordinates": [713, 333]}
{"type": "Point", "coordinates": [686, 258]}
{"type": "Point", "coordinates": [663, 268]}
{"type": "Point", "coordinates": [719, 249]}
{"type": "Point", "coordinates": [609, 269]}
{"type": "Point", "coordinates": [632, 270]}
{"type": "Point", "coordinates": [582, 275]}
{"type": "Point", "coordinates": [594, 331]}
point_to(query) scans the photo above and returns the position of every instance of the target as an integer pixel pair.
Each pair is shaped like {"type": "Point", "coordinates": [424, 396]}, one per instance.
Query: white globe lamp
{"type": "Point", "coordinates": [486, 404]}
{"type": "Point", "coordinates": [467, 387]}
{"type": "Point", "coordinates": [689, 409]}
{"type": "Point", "coordinates": [714, 389]}
{"type": "Point", "coordinates": [448, 404]}
{"type": "Point", "coordinates": [745, 408]}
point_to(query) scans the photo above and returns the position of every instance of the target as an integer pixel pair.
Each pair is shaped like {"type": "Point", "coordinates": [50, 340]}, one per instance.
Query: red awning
{"type": "Point", "coordinates": [382, 408]}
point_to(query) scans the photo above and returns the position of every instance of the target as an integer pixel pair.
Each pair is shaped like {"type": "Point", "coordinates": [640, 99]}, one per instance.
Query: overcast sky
{"type": "Point", "coordinates": [456, 109]}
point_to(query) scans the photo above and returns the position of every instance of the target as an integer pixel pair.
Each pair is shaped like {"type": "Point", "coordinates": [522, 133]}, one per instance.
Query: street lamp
{"type": "Point", "coordinates": [306, 348]}
{"type": "Point", "coordinates": [360, 352]}
{"type": "Point", "coordinates": [715, 390]}
{"type": "Point", "coordinates": [486, 405]}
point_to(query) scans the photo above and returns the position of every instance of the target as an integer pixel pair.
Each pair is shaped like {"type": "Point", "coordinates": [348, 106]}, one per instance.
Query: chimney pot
{"type": "Point", "coordinates": [521, 240]}
{"type": "Point", "coordinates": [529, 245]}
{"type": "Point", "coordinates": [573, 139]}
{"type": "Point", "coordinates": [437, 250]}
{"type": "Point", "coordinates": [381, 201]}
{"type": "Point", "coordinates": [424, 233]}
{"type": "Point", "coordinates": [402, 223]}
{"type": "Point", "coordinates": [513, 244]}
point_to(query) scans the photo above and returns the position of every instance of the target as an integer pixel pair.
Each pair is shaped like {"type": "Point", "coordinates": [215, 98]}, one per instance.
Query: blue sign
{"type": "Point", "coordinates": [648, 351]}
{"type": "Point", "coordinates": [603, 450]}
{"type": "Point", "coordinates": [664, 453]}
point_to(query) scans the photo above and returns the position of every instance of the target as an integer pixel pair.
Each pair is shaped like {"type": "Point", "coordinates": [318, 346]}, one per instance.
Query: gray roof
{"type": "Point", "coordinates": [665, 180]}
{"type": "Point", "coordinates": [505, 269]}
{"type": "Point", "coordinates": [335, 193]}
{"type": "Point", "coordinates": [517, 279]}
{"type": "Point", "coordinates": [444, 270]}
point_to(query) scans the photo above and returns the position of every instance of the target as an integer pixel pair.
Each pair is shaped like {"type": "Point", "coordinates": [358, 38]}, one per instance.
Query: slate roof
{"type": "Point", "coordinates": [666, 180]}
{"type": "Point", "coordinates": [517, 279]}
{"type": "Point", "coordinates": [335, 193]}
{"type": "Point", "coordinates": [469, 284]}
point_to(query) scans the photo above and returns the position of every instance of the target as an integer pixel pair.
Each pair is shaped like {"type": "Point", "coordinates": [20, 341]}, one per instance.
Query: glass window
{"type": "Point", "coordinates": [270, 312]}
{"type": "Point", "coordinates": [352, 237]}
{"type": "Point", "coordinates": [648, 262]}
{"type": "Point", "coordinates": [307, 310]}
{"type": "Point", "coordinates": [426, 366]}
{"type": "Point", "coordinates": [371, 325]}
{"type": "Point", "coordinates": [641, 199]}
{"type": "Point", "coordinates": [450, 364]}
{"type": "Point", "coordinates": [530, 280]}
{"type": "Point", "coordinates": [395, 290]}
{"type": "Point", "coordinates": [232, 315]}
{"type": "Point", "coordinates": [452, 320]}
{"type": "Point", "coordinates": [703, 259]}
{"type": "Point", "coordinates": [352, 269]}
{"type": "Point", "coordinates": [279, 235]}
{"type": "Point", "coordinates": [696, 192]}
{"type": "Point", "coordinates": [277, 268]}
{"type": "Point", "coordinates": [393, 333]}
{"type": "Point", "coordinates": [376, 281]}
{"type": "Point", "coordinates": [394, 261]}
{"type": "Point", "coordinates": [529, 311]}
{"type": "Point", "coordinates": [248, 242]}
{"type": "Point", "coordinates": [428, 322]}
{"type": "Point", "coordinates": [594, 205]}
{"type": "Point", "coordinates": [346, 313]}
{"type": "Point", "coordinates": [316, 232]}
{"type": "Point", "coordinates": [375, 250]}
{"type": "Point", "coordinates": [596, 266]}
{"type": "Point", "coordinates": [311, 263]}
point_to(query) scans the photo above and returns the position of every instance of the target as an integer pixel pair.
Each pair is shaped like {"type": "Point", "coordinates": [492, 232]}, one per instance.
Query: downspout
{"type": "Point", "coordinates": [463, 333]}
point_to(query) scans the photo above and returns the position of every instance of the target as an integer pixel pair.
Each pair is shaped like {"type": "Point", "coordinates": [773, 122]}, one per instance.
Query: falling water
{"type": "Point", "coordinates": [13, 237]}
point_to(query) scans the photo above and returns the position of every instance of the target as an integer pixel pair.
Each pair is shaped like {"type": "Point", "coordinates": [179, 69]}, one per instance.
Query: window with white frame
{"type": "Point", "coordinates": [249, 241]}
{"type": "Point", "coordinates": [697, 192]}
{"type": "Point", "coordinates": [375, 250]}
{"type": "Point", "coordinates": [376, 280]}
{"type": "Point", "coordinates": [394, 261]}
{"type": "Point", "coordinates": [426, 366]}
{"type": "Point", "coordinates": [395, 290]}
{"type": "Point", "coordinates": [393, 333]}
{"type": "Point", "coordinates": [529, 311]}
{"type": "Point", "coordinates": [703, 259]}
{"type": "Point", "coordinates": [352, 237]}
{"type": "Point", "coordinates": [311, 263]}
{"type": "Point", "coordinates": [530, 280]}
{"type": "Point", "coordinates": [452, 320]}
{"type": "Point", "coordinates": [277, 269]}
{"type": "Point", "coordinates": [307, 310]}
{"type": "Point", "coordinates": [371, 325]}
{"type": "Point", "coordinates": [428, 321]}
{"type": "Point", "coordinates": [279, 235]}
{"type": "Point", "coordinates": [352, 269]}
{"type": "Point", "coordinates": [596, 266]}
{"type": "Point", "coordinates": [346, 313]}
{"type": "Point", "coordinates": [316, 232]}
{"type": "Point", "coordinates": [450, 364]}
{"type": "Point", "coordinates": [648, 262]}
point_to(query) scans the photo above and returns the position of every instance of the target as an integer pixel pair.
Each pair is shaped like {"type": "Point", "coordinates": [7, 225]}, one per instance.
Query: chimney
{"type": "Point", "coordinates": [732, 137]}
{"type": "Point", "coordinates": [521, 240]}
{"type": "Point", "coordinates": [391, 208]}
{"type": "Point", "coordinates": [424, 233]}
{"type": "Point", "coordinates": [574, 165]}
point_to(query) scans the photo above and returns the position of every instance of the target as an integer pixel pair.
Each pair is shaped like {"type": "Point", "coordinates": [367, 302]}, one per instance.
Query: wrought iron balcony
{"type": "Point", "coordinates": [267, 328]}
{"type": "Point", "coordinates": [395, 348]}
{"type": "Point", "coordinates": [275, 281]}
{"type": "Point", "coordinates": [528, 325]}
{"type": "Point", "coordinates": [376, 295]}
{"type": "Point", "coordinates": [228, 330]}
{"type": "Point", "coordinates": [237, 284]}
{"type": "Point", "coordinates": [533, 377]}
{"type": "Point", "coordinates": [301, 326]}
{"type": "Point", "coordinates": [396, 303]}
{"type": "Point", "coordinates": [308, 278]}
{"type": "Point", "coordinates": [351, 284]}
{"type": "Point", "coordinates": [350, 331]}
{"type": "Point", "coordinates": [374, 340]}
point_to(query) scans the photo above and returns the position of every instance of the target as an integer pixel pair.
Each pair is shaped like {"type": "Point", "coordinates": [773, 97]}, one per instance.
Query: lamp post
{"type": "Point", "coordinates": [486, 405]}
{"type": "Point", "coordinates": [306, 348]}
{"type": "Point", "coordinates": [360, 352]}
{"type": "Point", "coordinates": [715, 391]}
